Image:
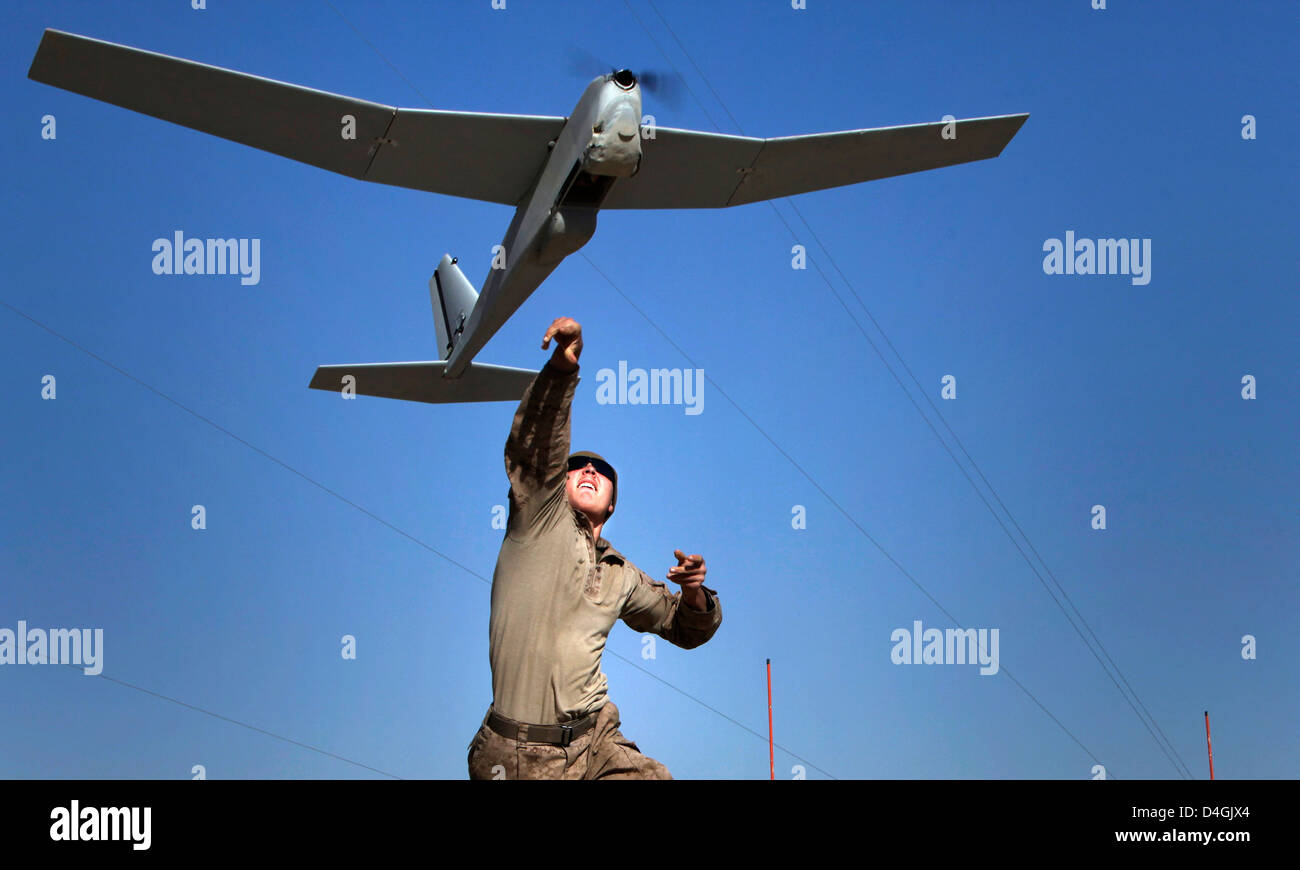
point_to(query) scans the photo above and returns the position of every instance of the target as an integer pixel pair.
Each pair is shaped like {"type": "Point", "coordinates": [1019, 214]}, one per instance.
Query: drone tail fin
{"type": "Point", "coordinates": [453, 298]}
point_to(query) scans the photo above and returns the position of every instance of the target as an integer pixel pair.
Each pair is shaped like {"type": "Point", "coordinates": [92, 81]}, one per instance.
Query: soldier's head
{"type": "Point", "coordinates": [592, 485]}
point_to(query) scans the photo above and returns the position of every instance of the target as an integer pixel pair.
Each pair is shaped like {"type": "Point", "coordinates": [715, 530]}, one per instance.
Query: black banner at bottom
{"type": "Point", "coordinates": [338, 818]}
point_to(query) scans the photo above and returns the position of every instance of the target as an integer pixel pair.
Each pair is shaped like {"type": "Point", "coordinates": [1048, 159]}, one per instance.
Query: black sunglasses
{"type": "Point", "coordinates": [604, 468]}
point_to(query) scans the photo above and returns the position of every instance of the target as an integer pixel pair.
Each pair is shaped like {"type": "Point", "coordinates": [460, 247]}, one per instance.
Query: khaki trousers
{"type": "Point", "coordinates": [601, 753]}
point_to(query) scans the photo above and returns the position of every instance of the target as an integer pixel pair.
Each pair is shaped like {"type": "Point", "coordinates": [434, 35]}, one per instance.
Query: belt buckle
{"type": "Point", "coordinates": [566, 735]}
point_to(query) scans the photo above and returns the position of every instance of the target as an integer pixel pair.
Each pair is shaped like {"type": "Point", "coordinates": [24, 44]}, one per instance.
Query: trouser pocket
{"type": "Point", "coordinates": [541, 761]}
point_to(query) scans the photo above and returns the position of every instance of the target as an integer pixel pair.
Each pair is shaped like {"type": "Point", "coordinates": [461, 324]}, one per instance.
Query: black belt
{"type": "Point", "coordinates": [557, 735]}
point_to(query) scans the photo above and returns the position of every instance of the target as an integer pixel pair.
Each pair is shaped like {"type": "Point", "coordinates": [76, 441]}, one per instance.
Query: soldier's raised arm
{"type": "Point", "coordinates": [538, 446]}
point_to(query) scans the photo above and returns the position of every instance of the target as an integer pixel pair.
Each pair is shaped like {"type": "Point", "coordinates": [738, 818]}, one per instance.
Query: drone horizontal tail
{"type": "Point", "coordinates": [423, 382]}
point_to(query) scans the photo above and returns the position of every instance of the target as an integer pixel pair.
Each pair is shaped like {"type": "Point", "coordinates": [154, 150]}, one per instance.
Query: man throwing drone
{"type": "Point", "coordinates": [558, 589]}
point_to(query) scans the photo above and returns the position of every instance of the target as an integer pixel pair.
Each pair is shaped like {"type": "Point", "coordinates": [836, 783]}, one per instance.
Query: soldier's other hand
{"type": "Point", "coordinates": [567, 333]}
{"type": "Point", "coordinates": [689, 570]}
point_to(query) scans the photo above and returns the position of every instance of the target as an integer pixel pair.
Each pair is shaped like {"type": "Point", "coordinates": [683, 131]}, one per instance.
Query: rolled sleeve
{"type": "Point", "coordinates": [538, 446]}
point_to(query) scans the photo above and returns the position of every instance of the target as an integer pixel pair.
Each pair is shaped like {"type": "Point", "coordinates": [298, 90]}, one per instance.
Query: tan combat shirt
{"type": "Point", "coordinates": [556, 593]}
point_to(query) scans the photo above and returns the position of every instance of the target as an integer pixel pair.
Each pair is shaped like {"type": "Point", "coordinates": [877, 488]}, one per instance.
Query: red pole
{"type": "Point", "coordinates": [771, 749]}
{"type": "Point", "coordinates": [1208, 747]}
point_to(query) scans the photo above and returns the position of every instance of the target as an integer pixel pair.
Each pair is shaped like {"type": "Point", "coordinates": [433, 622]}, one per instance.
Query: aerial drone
{"type": "Point", "coordinates": [557, 173]}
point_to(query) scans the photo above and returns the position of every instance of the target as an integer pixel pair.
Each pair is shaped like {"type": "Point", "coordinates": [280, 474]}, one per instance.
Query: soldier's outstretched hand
{"type": "Point", "coordinates": [567, 333]}
{"type": "Point", "coordinates": [688, 572]}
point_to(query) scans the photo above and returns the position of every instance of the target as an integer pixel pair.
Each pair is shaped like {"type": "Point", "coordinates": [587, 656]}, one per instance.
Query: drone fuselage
{"type": "Point", "coordinates": [600, 143]}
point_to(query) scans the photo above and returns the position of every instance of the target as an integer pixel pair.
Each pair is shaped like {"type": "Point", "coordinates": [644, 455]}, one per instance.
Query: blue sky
{"type": "Point", "coordinates": [1072, 391]}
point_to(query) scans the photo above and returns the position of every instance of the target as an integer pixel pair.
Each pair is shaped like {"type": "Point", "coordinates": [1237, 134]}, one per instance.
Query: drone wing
{"type": "Point", "coordinates": [475, 155]}
{"type": "Point", "coordinates": [691, 169]}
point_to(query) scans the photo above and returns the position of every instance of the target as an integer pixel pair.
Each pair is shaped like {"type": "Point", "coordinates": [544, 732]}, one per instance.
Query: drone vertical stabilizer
{"type": "Point", "coordinates": [453, 298]}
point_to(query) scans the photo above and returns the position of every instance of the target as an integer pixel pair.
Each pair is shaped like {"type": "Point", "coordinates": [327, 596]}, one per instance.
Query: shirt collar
{"type": "Point", "coordinates": [604, 549]}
